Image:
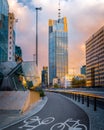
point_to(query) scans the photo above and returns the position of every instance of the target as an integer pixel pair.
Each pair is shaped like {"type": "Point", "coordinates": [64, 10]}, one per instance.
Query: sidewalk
{"type": "Point", "coordinates": [18, 106]}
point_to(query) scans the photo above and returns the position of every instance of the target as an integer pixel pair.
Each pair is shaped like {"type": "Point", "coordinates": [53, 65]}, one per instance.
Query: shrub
{"type": "Point", "coordinates": [56, 85]}
{"type": "Point", "coordinates": [41, 93]}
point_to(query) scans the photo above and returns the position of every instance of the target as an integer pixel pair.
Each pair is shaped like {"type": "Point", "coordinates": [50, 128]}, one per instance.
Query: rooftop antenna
{"type": "Point", "coordinates": [59, 11]}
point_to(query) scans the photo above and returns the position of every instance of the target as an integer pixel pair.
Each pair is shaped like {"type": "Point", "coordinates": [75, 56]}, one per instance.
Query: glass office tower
{"type": "Point", "coordinates": [58, 48]}
{"type": "Point", "coordinates": [4, 9]}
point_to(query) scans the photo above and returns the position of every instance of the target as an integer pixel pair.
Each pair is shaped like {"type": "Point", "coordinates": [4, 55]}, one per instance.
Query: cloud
{"type": "Point", "coordinates": [25, 30]}
{"type": "Point", "coordinates": [84, 17]}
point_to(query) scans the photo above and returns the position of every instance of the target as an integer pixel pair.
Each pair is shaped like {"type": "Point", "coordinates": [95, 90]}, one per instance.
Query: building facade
{"type": "Point", "coordinates": [44, 77]}
{"type": "Point", "coordinates": [95, 59]}
{"type": "Point", "coordinates": [11, 37]}
{"type": "Point", "coordinates": [58, 48]}
{"type": "Point", "coordinates": [4, 10]}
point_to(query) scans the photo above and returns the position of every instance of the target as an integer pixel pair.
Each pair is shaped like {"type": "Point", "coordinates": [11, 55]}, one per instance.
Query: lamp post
{"type": "Point", "coordinates": [37, 9]}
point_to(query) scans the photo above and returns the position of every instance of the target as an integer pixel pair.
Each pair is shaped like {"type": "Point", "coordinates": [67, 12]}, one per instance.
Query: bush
{"type": "Point", "coordinates": [56, 85]}
{"type": "Point", "coordinates": [41, 93]}
{"type": "Point", "coordinates": [40, 90]}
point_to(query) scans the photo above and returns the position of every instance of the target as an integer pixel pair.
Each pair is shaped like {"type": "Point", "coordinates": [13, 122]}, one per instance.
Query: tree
{"type": "Point", "coordinates": [78, 83]}
{"type": "Point", "coordinates": [56, 85]}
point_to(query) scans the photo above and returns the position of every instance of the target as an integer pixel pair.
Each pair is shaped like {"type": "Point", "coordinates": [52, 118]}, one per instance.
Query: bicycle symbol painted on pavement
{"type": "Point", "coordinates": [70, 124]}
{"type": "Point", "coordinates": [35, 121]}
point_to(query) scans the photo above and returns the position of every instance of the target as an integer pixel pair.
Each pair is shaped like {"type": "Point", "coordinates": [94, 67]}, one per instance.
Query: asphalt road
{"type": "Point", "coordinates": [59, 113]}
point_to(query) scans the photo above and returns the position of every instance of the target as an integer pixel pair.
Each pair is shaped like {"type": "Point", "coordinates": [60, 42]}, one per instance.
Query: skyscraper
{"type": "Point", "coordinates": [44, 77]}
{"type": "Point", "coordinates": [58, 48]}
{"type": "Point", "coordinates": [4, 9]}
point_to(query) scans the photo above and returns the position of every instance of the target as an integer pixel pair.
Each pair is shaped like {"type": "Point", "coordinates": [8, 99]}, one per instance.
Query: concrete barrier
{"type": "Point", "coordinates": [17, 100]}
{"type": "Point", "coordinates": [32, 98]}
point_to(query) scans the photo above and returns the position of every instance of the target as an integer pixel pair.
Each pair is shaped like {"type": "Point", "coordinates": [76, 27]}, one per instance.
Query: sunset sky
{"type": "Point", "coordinates": [84, 17]}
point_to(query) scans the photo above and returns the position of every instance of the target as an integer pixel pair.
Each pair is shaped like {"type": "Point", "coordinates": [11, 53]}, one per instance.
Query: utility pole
{"type": "Point", "coordinates": [37, 9]}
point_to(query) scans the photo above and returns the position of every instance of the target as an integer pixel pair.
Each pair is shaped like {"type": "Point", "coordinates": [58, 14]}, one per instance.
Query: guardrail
{"type": "Point", "coordinates": [83, 97]}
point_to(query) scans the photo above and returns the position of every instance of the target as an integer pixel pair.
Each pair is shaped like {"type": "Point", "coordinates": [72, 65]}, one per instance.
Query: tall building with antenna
{"type": "Point", "coordinates": [58, 47]}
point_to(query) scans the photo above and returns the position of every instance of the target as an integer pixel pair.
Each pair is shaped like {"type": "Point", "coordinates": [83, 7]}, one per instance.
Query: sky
{"type": "Point", "coordinates": [84, 18]}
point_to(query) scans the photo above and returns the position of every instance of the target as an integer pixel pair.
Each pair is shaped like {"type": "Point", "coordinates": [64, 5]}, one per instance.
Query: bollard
{"type": "Point", "coordinates": [70, 95]}
{"type": "Point", "coordinates": [78, 97]}
{"type": "Point", "coordinates": [75, 97]}
{"type": "Point", "coordinates": [87, 101]}
{"type": "Point", "coordinates": [82, 99]}
{"type": "Point", "coordinates": [94, 103]}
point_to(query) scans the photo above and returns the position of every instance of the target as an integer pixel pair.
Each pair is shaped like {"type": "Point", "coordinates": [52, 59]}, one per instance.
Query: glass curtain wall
{"type": "Point", "coordinates": [58, 49]}
{"type": "Point", "coordinates": [4, 9]}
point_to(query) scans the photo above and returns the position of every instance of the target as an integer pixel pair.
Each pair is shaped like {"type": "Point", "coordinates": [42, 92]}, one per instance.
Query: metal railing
{"type": "Point", "coordinates": [84, 97]}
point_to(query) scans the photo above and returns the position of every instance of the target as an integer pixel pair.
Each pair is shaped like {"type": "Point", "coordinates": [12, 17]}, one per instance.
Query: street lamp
{"type": "Point", "coordinates": [37, 9]}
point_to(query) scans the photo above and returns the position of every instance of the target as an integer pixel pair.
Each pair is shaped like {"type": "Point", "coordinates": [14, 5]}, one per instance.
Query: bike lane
{"type": "Point", "coordinates": [59, 113]}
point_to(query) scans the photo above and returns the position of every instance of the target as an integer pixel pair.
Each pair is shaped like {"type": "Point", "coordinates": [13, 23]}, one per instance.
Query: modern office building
{"type": "Point", "coordinates": [44, 76]}
{"type": "Point", "coordinates": [58, 48]}
{"type": "Point", "coordinates": [83, 70]}
{"type": "Point", "coordinates": [11, 37]}
{"type": "Point", "coordinates": [95, 59]}
{"type": "Point", "coordinates": [4, 9]}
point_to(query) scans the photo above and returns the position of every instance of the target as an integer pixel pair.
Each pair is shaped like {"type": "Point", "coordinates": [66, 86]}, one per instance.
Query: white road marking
{"type": "Point", "coordinates": [34, 122]}
{"type": "Point", "coordinates": [70, 124]}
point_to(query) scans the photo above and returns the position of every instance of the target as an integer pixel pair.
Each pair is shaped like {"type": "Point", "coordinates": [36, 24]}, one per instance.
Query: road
{"type": "Point", "coordinates": [59, 113]}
